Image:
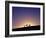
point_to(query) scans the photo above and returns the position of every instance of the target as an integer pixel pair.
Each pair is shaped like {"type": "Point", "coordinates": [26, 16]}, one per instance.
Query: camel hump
{"type": "Point", "coordinates": [27, 25]}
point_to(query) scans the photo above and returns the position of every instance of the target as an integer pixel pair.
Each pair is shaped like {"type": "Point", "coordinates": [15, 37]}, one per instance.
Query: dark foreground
{"type": "Point", "coordinates": [27, 28]}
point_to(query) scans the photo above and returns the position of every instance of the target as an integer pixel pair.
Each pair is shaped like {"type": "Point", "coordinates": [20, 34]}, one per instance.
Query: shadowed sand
{"type": "Point", "coordinates": [37, 27]}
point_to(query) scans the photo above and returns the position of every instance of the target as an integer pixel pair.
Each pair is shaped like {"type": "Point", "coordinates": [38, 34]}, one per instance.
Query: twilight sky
{"type": "Point", "coordinates": [25, 15]}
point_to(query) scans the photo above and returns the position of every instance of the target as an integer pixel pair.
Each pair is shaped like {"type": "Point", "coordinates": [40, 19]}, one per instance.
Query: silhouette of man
{"type": "Point", "coordinates": [26, 25]}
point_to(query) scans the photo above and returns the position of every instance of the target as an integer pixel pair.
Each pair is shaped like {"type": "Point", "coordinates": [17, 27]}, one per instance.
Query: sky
{"type": "Point", "coordinates": [25, 15]}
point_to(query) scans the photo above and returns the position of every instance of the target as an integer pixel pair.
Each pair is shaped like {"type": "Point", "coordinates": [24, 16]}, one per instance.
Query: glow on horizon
{"type": "Point", "coordinates": [24, 22]}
